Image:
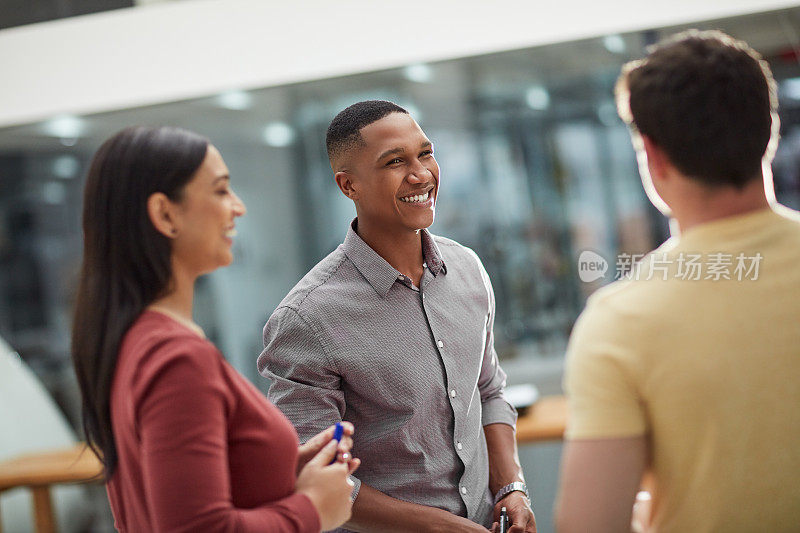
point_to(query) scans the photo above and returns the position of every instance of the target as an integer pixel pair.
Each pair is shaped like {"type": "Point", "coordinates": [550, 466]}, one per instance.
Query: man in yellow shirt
{"type": "Point", "coordinates": [689, 369]}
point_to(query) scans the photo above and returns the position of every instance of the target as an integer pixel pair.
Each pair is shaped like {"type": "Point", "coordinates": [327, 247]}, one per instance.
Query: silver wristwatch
{"type": "Point", "coordinates": [511, 487]}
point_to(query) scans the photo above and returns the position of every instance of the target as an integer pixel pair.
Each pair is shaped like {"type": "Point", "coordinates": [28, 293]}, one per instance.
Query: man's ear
{"type": "Point", "coordinates": [346, 184]}
{"type": "Point", "coordinates": [161, 212]}
{"type": "Point", "coordinates": [657, 161]}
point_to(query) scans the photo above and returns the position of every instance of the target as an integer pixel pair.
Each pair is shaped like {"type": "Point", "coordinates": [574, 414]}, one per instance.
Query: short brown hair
{"type": "Point", "coordinates": [707, 100]}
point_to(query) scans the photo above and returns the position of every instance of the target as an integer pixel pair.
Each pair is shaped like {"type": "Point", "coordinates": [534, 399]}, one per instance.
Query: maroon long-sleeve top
{"type": "Point", "coordinates": [200, 448]}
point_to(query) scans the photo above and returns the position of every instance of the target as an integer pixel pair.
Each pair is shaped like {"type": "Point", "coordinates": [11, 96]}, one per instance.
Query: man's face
{"type": "Point", "coordinates": [395, 176]}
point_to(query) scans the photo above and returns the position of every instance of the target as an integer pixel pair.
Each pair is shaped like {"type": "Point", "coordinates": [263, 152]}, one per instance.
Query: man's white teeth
{"type": "Point", "coordinates": [416, 198]}
{"type": "Point", "coordinates": [231, 233]}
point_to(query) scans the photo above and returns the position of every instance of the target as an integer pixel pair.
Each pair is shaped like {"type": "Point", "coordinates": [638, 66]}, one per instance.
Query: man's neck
{"type": "Point", "coordinates": [707, 205]}
{"type": "Point", "coordinates": [401, 249]}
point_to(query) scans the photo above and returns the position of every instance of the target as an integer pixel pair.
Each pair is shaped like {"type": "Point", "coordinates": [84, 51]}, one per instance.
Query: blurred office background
{"type": "Point", "coordinates": [536, 167]}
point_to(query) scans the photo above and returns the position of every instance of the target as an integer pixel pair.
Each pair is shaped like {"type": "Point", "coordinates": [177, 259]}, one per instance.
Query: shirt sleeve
{"type": "Point", "coordinates": [492, 379]}
{"type": "Point", "coordinates": [600, 377]}
{"type": "Point", "coordinates": [306, 385]}
{"type": "Point", "coordinates": [181, 402]}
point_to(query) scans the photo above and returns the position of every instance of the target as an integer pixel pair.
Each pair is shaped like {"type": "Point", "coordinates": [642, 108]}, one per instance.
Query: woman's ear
{"type": "Point", "coordinates": [162, 214]}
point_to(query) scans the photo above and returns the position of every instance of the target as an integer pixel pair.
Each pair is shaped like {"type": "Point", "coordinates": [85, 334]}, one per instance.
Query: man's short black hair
{"type": "Point", "coordinates": [344, 131]}
{"type": "Point", "coordinates": [707, 100]}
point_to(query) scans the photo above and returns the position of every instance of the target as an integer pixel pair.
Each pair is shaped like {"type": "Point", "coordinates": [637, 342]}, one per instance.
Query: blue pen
{"type": "Point", "coordinates": [338, 432]}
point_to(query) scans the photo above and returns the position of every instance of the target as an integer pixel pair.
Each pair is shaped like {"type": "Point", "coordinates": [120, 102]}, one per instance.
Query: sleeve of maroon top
{"type": "Point", "coordinates": [182, 403]}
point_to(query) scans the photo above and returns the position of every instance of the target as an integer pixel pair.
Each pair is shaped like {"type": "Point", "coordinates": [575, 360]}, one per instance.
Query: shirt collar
{"type": "Point", "coordinates": [431, 254]}
{"type": "Point", "coordinates": [377, 271]}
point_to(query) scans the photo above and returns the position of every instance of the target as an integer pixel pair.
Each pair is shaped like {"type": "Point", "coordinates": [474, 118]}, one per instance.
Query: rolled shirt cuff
{"type": "Point", "coordinates": [498, 411]}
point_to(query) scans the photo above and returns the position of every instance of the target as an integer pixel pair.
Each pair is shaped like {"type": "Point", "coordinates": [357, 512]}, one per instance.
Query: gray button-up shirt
{"type": "Point", "coordinates": [414, 369]}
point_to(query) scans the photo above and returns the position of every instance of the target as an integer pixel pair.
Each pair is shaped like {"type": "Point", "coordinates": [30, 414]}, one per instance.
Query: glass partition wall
{"type": "Point", "coordinates": [536, 167]}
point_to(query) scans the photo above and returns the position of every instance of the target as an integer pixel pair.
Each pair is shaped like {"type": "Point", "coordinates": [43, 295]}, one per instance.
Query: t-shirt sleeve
{"type": "Point", "coordinates": [182, 403]}
{"type": "Point", "coordinates": [600, 377]}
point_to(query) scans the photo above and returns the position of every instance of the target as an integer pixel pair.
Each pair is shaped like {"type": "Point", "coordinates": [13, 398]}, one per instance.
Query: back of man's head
{"type": "Point", "coordinates": [707, 101]}
{"type": "Point", "coordinates": [344, 131]}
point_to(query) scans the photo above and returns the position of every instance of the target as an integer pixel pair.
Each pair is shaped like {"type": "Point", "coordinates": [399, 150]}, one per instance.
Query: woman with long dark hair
{"type": "Point", "coordinates": [187, 443]}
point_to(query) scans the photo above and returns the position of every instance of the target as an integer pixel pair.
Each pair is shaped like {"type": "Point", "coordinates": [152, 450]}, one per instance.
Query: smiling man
{"type": "Point", "coordinates": [393, 332]}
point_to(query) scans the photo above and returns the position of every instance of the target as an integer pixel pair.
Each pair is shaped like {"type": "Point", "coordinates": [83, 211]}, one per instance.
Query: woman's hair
{"type": "Point", "coordinates": [126, 261]}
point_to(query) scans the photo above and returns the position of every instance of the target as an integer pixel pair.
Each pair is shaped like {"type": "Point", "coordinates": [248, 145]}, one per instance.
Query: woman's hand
{"type": "Point", "coordinates": [311, 448]}
{"type": "Point", "coordinates": [328, 486]}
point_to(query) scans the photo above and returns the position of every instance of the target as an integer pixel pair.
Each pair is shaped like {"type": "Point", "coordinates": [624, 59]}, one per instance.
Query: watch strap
{"type": "Point", "coordinates": [511, 487]}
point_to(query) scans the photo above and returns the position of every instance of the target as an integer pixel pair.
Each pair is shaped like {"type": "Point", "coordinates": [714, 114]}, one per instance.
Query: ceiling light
{"type": "Point", "coordinates": [53, 193]}
{"type": "Point", "coordinates": [66, 166]}
{"type": "Point", "coordinates": [65, 127]}
{"type": "Point", "coordinates": [537, 98]}
{"type": "Point", "coordinates": [607, 114]}
{"type": "Point", "coordinates": [278, 134]}
{"type": "Point", "coordinates": [419, 72]}
{"type": "Point", "coordinates": [614, 44]}
{"type": "Point", "coordinates": [236, 100]}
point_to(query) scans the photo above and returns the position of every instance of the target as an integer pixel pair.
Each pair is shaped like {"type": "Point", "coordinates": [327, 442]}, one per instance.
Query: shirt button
{"type": "Point", "coordinates": [453, 393]}
{"type": "Point", "coordinates": [424, 265]}
{"type": "Point", "coordinates": [440, 344]}
{"type": "Point", "coordinates": [459, 445]}
{"type": "Point", "coordinates": [463, 490]}
{"type": "Point", "coordinates": [401, 277]}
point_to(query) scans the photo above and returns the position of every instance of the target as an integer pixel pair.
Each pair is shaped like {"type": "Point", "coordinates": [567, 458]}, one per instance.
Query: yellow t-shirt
{"type": "Point", "coordinates": [708, 369]}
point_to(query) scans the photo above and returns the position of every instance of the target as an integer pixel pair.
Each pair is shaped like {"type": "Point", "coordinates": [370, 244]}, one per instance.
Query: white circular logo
{"type": "Point", "coordinates": [591, 266]}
